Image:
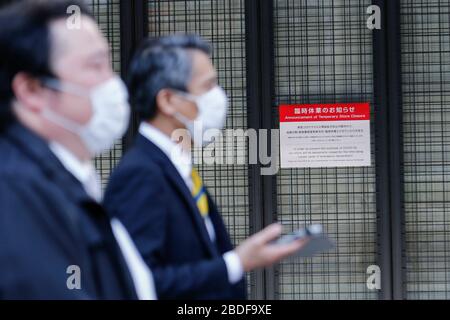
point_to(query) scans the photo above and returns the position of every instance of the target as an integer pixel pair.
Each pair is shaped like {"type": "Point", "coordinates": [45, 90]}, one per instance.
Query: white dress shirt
{"type": "Point", "coordinates": [183, 163]}
{"type": "Point", "coordinates": [88, 176]}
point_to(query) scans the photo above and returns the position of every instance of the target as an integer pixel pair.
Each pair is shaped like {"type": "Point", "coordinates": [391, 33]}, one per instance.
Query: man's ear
{"type": "Point", "coordinates": [165, 100]}
{"type": "Point", "coordinates": [28, 92]}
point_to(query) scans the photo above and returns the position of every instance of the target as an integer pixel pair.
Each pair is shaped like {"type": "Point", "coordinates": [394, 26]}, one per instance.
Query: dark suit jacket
{"type": "Point", "coordinates": [152, 200]}
{"type": "Point", "coordinates": [48, 223]}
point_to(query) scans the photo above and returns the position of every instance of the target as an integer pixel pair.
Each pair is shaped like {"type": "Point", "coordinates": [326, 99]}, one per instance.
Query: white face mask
{"type": "Point", "coordinates": [110, 113]}
{"type": "Point", "coordinates": [212, 113]}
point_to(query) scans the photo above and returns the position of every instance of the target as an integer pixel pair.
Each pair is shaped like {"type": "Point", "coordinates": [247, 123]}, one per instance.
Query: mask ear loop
{"type": "Point", "coordinates": [55, 84]}
{"type": "Point", "coordinates": [69, 88]}
{"type": "Point", "coordinates": [188, 97]}
{"type": "Point", "coordinates": [72, 126]}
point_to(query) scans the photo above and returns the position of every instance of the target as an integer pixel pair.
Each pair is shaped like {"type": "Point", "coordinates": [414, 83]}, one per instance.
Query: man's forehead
{"type": "Point", "coordinates": [85, 40]}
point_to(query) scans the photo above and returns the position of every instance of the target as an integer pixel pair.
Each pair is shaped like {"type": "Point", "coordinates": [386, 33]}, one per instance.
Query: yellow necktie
{"type": "Point", "coordinates": [199, 194]}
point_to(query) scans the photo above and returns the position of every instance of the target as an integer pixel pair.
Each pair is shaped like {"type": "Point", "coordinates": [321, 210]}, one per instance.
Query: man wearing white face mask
{"type": "Point", "coordinates": [60, 105]}
{"type": "Point", "coordinates": [211, 114]}
{"type": "Point", "coordinates": [160, 197]}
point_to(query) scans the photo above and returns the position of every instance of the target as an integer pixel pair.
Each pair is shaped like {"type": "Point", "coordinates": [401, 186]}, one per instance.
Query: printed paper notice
{"type": "Point", "coordinates": [325, 135]}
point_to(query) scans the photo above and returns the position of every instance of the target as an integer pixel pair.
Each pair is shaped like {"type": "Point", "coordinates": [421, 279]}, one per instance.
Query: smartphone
{"type": "Point", "coordinates": [317, 241]}
{"type": "Point", "coordinates": [303, 233]}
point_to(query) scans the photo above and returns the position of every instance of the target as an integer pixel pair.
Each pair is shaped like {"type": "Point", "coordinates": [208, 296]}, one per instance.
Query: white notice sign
{"type": "Point", "coordinates": [325, 135]}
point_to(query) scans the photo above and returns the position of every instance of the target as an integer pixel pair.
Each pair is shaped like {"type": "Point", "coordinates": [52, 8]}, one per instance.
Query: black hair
{"type": "Point", "coordinates": [161, 63]}
{"type": "Point", "coordinates": [25, 43]}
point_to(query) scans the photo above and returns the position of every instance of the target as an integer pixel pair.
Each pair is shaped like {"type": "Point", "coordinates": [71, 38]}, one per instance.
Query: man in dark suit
{"type": "Point", "coordinates": [158, 195]}
{"type": "Point", "coordinates": [60, 105]}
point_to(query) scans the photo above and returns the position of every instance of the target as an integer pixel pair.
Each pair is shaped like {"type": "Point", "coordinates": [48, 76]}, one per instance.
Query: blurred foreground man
{"type": "Point", "coordinates": [60, 105]}
{"type": "Point", "coordinates": [158, 195]}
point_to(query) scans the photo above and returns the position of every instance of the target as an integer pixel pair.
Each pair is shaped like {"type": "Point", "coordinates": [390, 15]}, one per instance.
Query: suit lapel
{"type": "Point", "coordinates": [156, 154]}
{"type": "Point", "coordinates": [222, 238]}
{"type": "Point", "coordinates": [38, 151]}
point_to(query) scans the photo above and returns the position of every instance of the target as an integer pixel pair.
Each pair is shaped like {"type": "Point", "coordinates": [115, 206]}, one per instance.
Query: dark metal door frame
{"type": "Point", "coordinates": [260, 88]}
{"type": "Point", "coordinates": [133, 30]}
{"type": "Point", "coordinates": [389, 150]}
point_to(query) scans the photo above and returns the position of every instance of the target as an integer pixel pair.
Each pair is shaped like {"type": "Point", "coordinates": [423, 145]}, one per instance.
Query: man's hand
{"type": "Point", "coordinates": [257, 251]}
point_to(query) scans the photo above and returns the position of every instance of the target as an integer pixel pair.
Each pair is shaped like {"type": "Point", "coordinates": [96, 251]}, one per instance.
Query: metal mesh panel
{"type": "Point", "coordinates": [223, 24]}
{"type": "Point", "coordinates": [425, 30]}
{"type": "Point", "coordinates": [107, 14]}
{"type": "Point", "coordinates": [323, 54]}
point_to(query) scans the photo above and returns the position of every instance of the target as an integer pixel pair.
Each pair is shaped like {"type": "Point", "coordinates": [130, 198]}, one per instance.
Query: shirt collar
{"type": "Point", "coordinates": [181, 159]}
{"type": "Point", "coordinates": [84, 172]}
